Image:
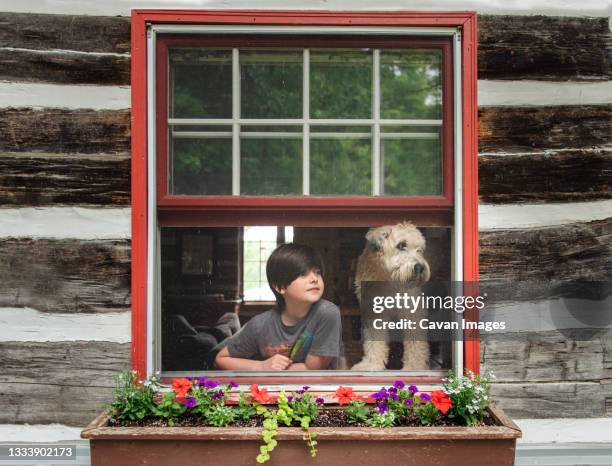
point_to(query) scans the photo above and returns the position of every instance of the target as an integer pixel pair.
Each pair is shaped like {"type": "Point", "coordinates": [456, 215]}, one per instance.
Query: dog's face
{"type": "Point", "coordinates": [400, 248]}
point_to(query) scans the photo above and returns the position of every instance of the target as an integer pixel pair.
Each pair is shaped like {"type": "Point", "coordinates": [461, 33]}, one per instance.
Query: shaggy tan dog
{"type": "Point", "coordinates": [393, 253]}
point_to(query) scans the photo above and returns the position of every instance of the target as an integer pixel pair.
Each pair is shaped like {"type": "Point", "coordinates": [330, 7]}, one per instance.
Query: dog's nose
{"type": "Point", "coordinates": [418, 269]}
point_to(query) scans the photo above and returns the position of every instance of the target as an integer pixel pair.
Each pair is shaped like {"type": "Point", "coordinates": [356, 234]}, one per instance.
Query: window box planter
{"type": "Point", "coordinates": [370, 446]}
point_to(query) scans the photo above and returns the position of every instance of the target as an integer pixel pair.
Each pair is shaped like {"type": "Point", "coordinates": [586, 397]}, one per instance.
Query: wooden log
{"type": "Point", "coordinates": [510, 46]}
{"type": "Point", "coordinates": [66, 32]}
{"type": "Point", "coordinates": [575, 175]}
{"type": "Point", "coordinates": [518, 265]}
{"type": "Point", "coordinates": [64, 67]}
{"type": "Point", "coordinates": [543, 47]}
{"type": "Point", "coordinates": [41, 403]}
{"type": "Point", "coordinates": [507, 129]}
{"type": "Point", "coordinates": [550, 400]}
{"type": "Point", "coordinates": [580, 251]}
{"type": "Point", "coordinates": [559, 355]}
{"type": "Point", "coordinates": [38, 179]}
{"type": "Point", "coordinates": [65, 131]}
{"type": "Point", "coordinates": [64, 382]}
{"type": "Point", "coordinates": [80, 363]}
{"type": "Point", "coordinates": [65, 275]}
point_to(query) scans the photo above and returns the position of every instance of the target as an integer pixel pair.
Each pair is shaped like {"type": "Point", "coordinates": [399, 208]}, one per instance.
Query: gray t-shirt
{"type": "Point", "coordinates": [319, 333]}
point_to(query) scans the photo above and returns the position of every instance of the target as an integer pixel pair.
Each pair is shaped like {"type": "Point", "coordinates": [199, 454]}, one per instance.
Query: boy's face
{"type": "Point", "coordinates": [308, 288]}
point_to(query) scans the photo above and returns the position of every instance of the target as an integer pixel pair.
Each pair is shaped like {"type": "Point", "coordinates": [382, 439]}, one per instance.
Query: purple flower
{"type": "Point", "coordinates": [394, 397]}
{"type": "Point", "coordinates": [289, 398]}
{"type": "Point", "coordinates": [320, 401]}
{"type": "Point", "coordinates": [190, 402]}
{"type": "Point", "coordinates": [300, 392]}
{"type": "Point", "coordinates": [413, 389]}
{"type": "Point", "coordinates": [305, 388]}
{"type": "Point", "coordinates": [210, 384]}
{"type": "Point", "coordinates": [399, 384]}
{"type": "Point", "coordinates": [392, 390]}
{"type": "Point", "coordinates": [297, 400]}
{"type": "Point", "coordinates": [408, 402]}
{"type": "Point", "coordinates": [380, 394]}
{"type": "Point", "coordinates": [217, 395]}
{"type": "Point", "coordinates": [201, 381]}
{"type": "Point", "coordinates": [425, 397]}
{"type": "Point", "coordinates": [233, 384]}
{"type": "Point", "coordinates": [382, 408]}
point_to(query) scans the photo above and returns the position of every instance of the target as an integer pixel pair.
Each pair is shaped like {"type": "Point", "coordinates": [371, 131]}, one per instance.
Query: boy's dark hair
{"type": "Point", "coordinates": [286, 263]}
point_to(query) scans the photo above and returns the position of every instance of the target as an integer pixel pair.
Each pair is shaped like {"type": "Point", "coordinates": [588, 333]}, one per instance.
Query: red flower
{"type": "Point", "coordinates": [181, 387]}
{"type": "Point", "coordinates": [441, 401]}
{"type": "Point", "coordinates": [260, 395]}
{"type": "Point", "coordinates": [345, 395]}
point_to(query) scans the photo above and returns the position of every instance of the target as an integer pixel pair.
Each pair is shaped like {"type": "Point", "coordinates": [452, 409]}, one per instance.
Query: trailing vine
{"type": "Point", "coordinates": [299, 408]}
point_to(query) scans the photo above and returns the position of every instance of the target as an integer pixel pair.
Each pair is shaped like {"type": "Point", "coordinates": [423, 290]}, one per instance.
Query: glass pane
{"type": "Point", "coordinates": [341, 84]}
{"type": "Point", "coordinates": [410, 84]}
{"type": "Point", "coordinates": [412, 167]}
{"type": "Point", "coordinates": [340, 167]}
{"type": "Point", "coordinates": [271, 83]}
{"type": "Point", "coordinates": [200, 83]}
{"type": "Point", "coordinates": [201, 166]}
{"type": "Point", "coordinates": [259, 242]}
{"type": "Point", "coordinates": [271, 166]}
{"type": "Point", "coordinates": [201, 305]}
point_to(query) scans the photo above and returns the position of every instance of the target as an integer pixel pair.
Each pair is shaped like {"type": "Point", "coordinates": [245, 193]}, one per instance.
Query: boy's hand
{"type": "Point", "coordinates": [278, 362]}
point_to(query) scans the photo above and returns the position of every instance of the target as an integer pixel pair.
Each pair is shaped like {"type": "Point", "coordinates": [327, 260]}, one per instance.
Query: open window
{"type": "Point", "coordinates": [312, 133]}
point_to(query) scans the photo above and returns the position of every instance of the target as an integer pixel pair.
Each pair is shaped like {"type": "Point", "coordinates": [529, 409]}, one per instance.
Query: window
{"type": "Point", "coordinates": [296, 121]}
{"type": "Point", "coordinates": [315, 132]}
{"type": "Point", "coordinates": [258, 244]}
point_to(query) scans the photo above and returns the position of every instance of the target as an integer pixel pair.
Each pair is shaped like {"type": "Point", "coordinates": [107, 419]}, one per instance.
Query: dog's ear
{"type": "Point", "coordinates": [376, 236]}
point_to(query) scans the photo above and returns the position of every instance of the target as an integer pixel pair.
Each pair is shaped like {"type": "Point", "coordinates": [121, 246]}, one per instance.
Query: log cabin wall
{"type": "Point", "coordinates": [544, 179]}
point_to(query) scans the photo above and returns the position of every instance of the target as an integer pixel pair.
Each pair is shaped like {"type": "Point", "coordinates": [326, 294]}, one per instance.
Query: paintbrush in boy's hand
{"type": "Point", "coordinates": [304, 341]}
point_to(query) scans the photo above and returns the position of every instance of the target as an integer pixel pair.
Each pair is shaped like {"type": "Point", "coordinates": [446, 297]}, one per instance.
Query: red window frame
{"type": "Point", "coordinates": [310, 211]}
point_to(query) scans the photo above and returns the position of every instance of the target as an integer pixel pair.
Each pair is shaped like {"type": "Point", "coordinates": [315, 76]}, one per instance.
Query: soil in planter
{"type": "Point", "coordinates": [326, 418]}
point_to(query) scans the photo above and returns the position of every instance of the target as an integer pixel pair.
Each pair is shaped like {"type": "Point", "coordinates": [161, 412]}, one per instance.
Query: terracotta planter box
{"type": "Point", "coordinates": [422, 446]}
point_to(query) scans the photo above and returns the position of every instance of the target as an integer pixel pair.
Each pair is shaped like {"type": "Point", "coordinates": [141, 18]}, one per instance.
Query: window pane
{"type": "Point", "coordinates": [201, 166]}
{"type": "Point", "coordinates": [271, 83]}
{"type": "Point", "coordinates": [412, 164]}
{"type": "Point", "coordinates": [340, 167]}
{"type": "Point", "coordinates": [201, 305]}
{"type": "Point", "coordinates": [271, 166]}
{"type": "Point", "coordinates": [411, 85]}
{"type": "Point", "coordinates": [259, 242]}
{"type": "Point", "coordinates": [341, 84]}
{"type": "Point", "coordinates": [200, 83]}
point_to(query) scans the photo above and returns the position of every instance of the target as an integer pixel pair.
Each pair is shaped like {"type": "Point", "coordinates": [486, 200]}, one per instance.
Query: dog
{"type": "Point", "coordinates": [393, 253]}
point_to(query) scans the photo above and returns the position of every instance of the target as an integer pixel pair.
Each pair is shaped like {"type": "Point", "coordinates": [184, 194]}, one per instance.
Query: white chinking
{"type": "Point", "coordinates": [30, 325]}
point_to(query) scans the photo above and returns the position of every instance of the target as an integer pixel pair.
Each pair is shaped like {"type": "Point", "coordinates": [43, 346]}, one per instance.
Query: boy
{"type": "Point", "coordinates": [303, 331]}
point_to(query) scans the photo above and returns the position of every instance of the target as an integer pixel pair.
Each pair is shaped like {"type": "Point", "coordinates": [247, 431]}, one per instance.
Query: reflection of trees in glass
{"type": "Point", "coordinates": [202, 166]}
{"type": "Point", "coordinates": [341, 84]}
{"type": "Point", "coordinates": [201, 83]}
{"type": "Point", "coordinates": [271, 84]}
{"type": "Point", "coordinates": [271, 166]}
{"type": "Point", "coordinates": [412, 167]}
{"type": "Point", "coordinates": [340, 87]}
{"type": "Point", "coordinates": [411, 84]}
{"type": "Point", "coordinates": [340, 167]}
